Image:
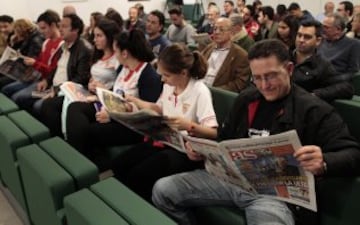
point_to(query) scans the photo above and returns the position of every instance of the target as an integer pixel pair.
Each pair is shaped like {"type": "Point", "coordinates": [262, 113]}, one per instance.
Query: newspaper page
{"type": "Point", "coordinates": [12, 66]}
{"type": "Point", "coordinates": [75, 91]}
{"type": "Point", "coordinates": [145, 121]}
{"type": "Point", "coordinates": [263, 165]}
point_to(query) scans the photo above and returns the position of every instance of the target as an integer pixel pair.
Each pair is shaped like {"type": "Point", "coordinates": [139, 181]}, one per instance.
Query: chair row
{"type": "Point", "coordinates": [40, 172]}
{"type": "Point", "coordinates": [338, 197]}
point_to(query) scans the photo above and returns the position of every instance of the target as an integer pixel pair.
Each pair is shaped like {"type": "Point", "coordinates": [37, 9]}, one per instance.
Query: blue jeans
{"type": "Point", "coordinates": [177, 194]}
{"type": "Point", "coordinates": [14, 87]}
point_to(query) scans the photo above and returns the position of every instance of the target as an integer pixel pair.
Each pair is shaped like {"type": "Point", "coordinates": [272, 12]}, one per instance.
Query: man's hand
{"type": "Point", "coordinates": [311, 159]}
{"type": "Point", "coordinates": [178, 123]}
{"type": "Point", "coordinates": [192, 155]}
{"type": "Point", "coordinates": [42, 85]}
{"type": "Point", "coordinates": [29, 61]}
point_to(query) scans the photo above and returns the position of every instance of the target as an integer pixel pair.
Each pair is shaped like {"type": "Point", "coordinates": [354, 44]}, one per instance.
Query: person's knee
{"type": "Point", "coordinates": [162, 190]}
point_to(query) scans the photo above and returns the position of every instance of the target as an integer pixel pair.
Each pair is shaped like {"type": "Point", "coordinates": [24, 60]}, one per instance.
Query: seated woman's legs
{"type": "Point", "coordinates": [141, 168]}
{"type": "Point", "coordinates": [86, 134]}
{"type": "Point", "coordinates": [23, 97]}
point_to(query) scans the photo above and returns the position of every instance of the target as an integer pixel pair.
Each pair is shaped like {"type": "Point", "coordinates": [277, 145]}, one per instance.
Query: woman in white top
{"type": "Point", "coordinates": [89, 129]}
{"type": "Point", "coordinates": [187, 103]}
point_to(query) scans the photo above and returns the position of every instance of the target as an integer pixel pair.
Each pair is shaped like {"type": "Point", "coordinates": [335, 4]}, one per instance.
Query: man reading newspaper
{"type": "Point", "coordinates": [273, 106]}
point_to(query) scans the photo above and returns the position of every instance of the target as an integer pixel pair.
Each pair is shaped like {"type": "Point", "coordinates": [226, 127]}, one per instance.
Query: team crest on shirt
{"type": "Point", "coordinates": [185, 107]}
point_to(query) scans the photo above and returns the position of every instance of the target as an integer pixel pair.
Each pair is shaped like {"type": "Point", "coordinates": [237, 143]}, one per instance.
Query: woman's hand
{"type": "Point", "coordinates": [179, 123]}
{"type": "Point", "coordinates": [29, 61]}
{"type": "Point", "coordinates": [102, 116]}
{"type": "Point", "coordinates": [192, 155]}
{"type": "Point", "coordinates": [93, 84]}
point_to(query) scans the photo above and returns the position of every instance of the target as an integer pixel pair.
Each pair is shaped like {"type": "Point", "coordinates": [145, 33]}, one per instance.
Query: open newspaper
{"type": "Point", "coordinates": [202, 38]}
{"type": "Point", "coordinates": [264, 166]}
{"type": "Point", "coordinates": [145, 121]}
{"type": "Point", "coordinates": [12, 66]}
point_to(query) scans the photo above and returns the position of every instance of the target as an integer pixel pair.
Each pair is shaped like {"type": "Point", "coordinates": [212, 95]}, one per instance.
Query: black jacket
{"type": "Point", "coordinates": [78, 67]}
{"type": "Point", "coordinates": [316, 123]}
{"type": "Point", "coordinates": [318, 76]}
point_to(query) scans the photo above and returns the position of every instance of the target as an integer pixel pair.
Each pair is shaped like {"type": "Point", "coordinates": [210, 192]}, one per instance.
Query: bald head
{"type": "Point", "coordinates": [68, 10]}
{"type": "Point", "coordinates": [222, 32]}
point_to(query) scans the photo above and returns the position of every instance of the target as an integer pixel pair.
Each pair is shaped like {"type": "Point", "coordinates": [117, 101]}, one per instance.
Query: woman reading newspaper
{"type": "Point", "coordinates": [187, 106]}
{"type": "Point", "coordinates": [89, 126]}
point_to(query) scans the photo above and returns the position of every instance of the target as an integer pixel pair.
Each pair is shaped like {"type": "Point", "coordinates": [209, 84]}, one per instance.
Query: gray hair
{"type": "Point", "coordinates": [236, 19]}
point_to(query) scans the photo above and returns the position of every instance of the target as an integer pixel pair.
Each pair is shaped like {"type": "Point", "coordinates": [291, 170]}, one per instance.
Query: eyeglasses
{"type": "Point", "coordinates": [220, 29]}
{"type": "Point", "coordinates": [267, 78]}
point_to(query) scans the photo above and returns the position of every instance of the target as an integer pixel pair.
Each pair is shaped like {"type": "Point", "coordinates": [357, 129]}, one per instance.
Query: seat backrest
{"type": "Point", "coordinates": [223, 101]}
{"type": "Point", "coordinates": [356, 83]}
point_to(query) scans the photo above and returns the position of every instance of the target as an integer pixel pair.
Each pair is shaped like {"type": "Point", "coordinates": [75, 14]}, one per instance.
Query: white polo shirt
{"type": "Point", "coordinates": [127, 80]}
{"type": "Point", "coordinates": [194, 103]}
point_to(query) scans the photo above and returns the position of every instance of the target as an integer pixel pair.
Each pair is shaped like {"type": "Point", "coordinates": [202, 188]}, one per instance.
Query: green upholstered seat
{"type": "Point", "coordinates": [339, 201]}
{"type": "Point", "coordinates": [80, 173]}
{"type": "Point", "coordinates": [46, 183]}
{"type": "Point", "coordinates": [11, 138]}
{"type": "Point", "coordinates": [30, 126]}
{"type": "Point", "coordinates": [214, 215]}
{"type": "Point", "coordinates": [129, 205]}
{"type": "Point", "coordinates": [83, 171]}
{"type": "Point", "coordinates": [356, 83]}
{"type": "Point", "coordinates": [85, 208]}
{"type": "Point", "coordinates": [7, 105]}
{"type": "Point", "coordinates": [350, 111]}
{"type": "Point", "coordinates": [223, 101]}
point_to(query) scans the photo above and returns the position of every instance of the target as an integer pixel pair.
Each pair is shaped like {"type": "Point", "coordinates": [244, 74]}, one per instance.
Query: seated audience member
{"type": "Point", "coordinates": [240, 5]}
{"type": "Point", "coordinates": [89, 30]}
{"type": "Point", "coordinates": [342, 52]}
{"type": "Point", "coordinates": [328, 10]}
{"type": "Point", "coordinates": [179, 30]}
{"type": "Point", "coordinates": [277, 105]}
{"type": "Point", "coordinates": [68, 10]}
{"type": "Point", "coordinates": [73, 65]}
{"type": "Point", "coordinates": [141, 12]}
{"type": "Point", "coordinates": [45, 62]}
{"type": "Point", "coordinates": [355, 27]}
{"type": "Point", "coordinates": [27, 40]}
{"type": "Point", "coordinates": [89, 129]}
{"type": "Point", "coordinates": [281, 12]}
{"type": "Point", "coordinates": [239, 34]}
{"type": "Point", "coordinates": [187, 103]}
{"type": "Point", "coordinates": [6, 27]}
{"type": "Point", "coordinates": [203, 20]}
{"type": "Point", "coordinates": [212, 15]}
{"type": "Point", "coordinates": [228, 67]}
{"type": "Point", "coordinates": [134, 21]}
{"type": "Point", "coordinates": [312, 72]}
{"type": "Point", "coordinates": [286, 31]}
{"type": "Point", "coordinates": [155, 22]}
{"type": "Point", "coordinates": [268, 27]}
{"type": "Point", "coordinates": [302, 15]}
{"type": "Point", "coordinates": [229, 8]}
{"type": "Point", "coordinates": [115, 16]}
{"type": "Point", "coordinates": [251, 25]}
{"type": "Point", "coordinates": [345, 9]}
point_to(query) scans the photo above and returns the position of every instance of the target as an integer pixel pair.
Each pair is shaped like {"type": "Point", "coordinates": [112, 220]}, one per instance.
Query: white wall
{"type": "Point", "coordinates": [32, 8]}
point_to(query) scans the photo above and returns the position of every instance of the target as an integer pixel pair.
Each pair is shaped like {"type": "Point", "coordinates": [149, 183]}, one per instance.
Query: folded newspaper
{"type": "Point", "coordinates": [75, 91]}
{"type": "Point", "coordinates": [145, 121]}
{"type": "Point", "coordinates": [264, 166]}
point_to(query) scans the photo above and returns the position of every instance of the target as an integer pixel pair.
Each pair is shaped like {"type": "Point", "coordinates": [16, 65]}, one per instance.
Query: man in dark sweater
{"type": "Point", "coordinates": [342, 52]}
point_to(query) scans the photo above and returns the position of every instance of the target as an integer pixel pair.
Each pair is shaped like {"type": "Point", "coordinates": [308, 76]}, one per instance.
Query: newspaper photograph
{"type": "Point", "coordinates": [263, 165]}
{"type": "Point", "coordinates": [75, 91]}
{"type": "Point", "coordinates": [145, 121]}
